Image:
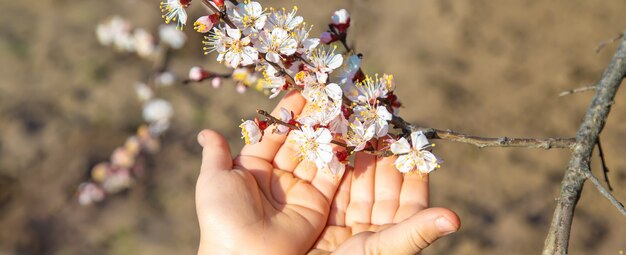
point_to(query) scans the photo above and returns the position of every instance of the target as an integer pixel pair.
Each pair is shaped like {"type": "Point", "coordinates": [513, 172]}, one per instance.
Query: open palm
{"type": "Point", "coordinates": [263, 202]}
{"type": "Point", "coordinates": [378, 210]}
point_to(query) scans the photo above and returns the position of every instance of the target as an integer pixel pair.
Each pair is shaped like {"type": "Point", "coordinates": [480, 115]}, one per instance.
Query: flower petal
{"type": "Point", "coordinates": [405, 163]}
{"type": "Point", "coordinates": [401, 146]}
{"type": "Point", "coordinates": [335, 62]}
{"type": "Point", "coordinates": [333, 91]}
{"type": "Point", "coordinates": [233, 33]}
{"type": "Point", "coordinates": [323, 136]}
{"type": "Point", "coordinates": [419, 140]}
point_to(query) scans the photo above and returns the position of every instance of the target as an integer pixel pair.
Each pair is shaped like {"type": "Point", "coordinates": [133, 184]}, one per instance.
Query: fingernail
{"type": "Point", "coordinates": [201, 138]}
{"type": "Point", "coordinates": [445, 226]}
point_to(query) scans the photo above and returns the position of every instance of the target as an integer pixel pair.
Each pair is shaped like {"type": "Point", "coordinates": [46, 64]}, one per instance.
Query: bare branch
{"type": "Point", "coordinates": [577, 90]}
{"type": "Point", "coordinates": [273, 120]}
{"type": "Point", "coordinates": [482, 142]}
{"type": "Point", "coordinates": [586, 138]}
{"type": "Point", "coordinates": [606, 193]}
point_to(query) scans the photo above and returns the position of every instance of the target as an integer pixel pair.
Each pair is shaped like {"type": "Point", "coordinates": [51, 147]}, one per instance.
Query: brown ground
{"type": "Point", "coordinates": [483, 67]}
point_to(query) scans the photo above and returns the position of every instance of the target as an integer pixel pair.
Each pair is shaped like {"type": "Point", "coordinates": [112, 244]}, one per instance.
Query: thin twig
{"type": "Point", "coordinates": [607, 42]}
{"type": "Point", "coordinates": [211, 76]}
{"type": "Point", "coordinates": [577, 90]}
{"type": "Point", "coordinates": [344, 42]}
{"type": "Point", "coordinates": [605, 168]}
{"type": "Point", "coordinates": [482, 142]}
{"type": "Point", "coordinates": [557, 240]}
{"type": "Point", "coordinates": [606, 193]}
{"type": "Point", "coordinates": [273, 120]}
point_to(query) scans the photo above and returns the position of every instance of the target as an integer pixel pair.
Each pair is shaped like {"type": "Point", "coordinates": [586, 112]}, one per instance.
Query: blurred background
{"type": "Point", "coordinates": [489, 68]}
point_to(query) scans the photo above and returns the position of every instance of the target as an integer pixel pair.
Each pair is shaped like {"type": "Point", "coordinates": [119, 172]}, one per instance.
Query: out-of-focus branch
{"type": "Point", "coordinates": [482, 142]}
{"type": "Point", "coordinates": [586, 138]}
{"type": "Point", "coordinates": [577, 90]}
{"type": "Point", "coordinates": [607, 42]}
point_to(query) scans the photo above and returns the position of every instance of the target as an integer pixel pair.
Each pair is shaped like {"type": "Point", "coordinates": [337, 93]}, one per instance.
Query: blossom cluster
{"type": "Point", "coordinates": [344, 106]}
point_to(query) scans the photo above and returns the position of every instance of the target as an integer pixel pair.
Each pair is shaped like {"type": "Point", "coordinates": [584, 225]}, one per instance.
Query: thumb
{"type": "Point", "coordinates": [415, 233]}
{"type": "Point", "coordinates": [215, 152]}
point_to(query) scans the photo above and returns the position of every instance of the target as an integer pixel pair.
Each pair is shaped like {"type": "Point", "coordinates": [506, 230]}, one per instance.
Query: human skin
{"type": "Point", "coordinates": [265, 201]}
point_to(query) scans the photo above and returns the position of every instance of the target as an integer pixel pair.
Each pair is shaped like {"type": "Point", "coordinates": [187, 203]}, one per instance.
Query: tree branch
{"type": "Point", "coordinates": [586, 138]}
{"type": "Point", "coordinates": [606, 193]}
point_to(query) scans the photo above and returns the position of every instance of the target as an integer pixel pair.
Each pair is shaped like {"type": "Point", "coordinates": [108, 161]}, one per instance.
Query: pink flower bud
{"type": "Point", "coordinates": [185, 3]}
{"type": "Point", "coordinates": [341, 17]}
{"type": "Point", "coordinates": [216, 82]}
{"type": "Point", "coordinates": [89, 193]}
{"type": "Point", "coordinates": [341, 20]}
{"type": "Point", "coordinates": [327, 37]}
{"type": "Point", "coordinates": [218, 3]}
{"type": "Point", "coordinates": [122, 158]}
{"type": "Point", "coordinates": [241, 88]}
{"type": "Point", "coordinates": [196, 73]}
{"type": "Point", "coordinates": [205, 23]}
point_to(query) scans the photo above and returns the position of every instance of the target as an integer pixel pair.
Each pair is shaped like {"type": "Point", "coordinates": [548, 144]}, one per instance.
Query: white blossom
{"type": "Point", "coordinates": [174, 10]}
{"type": "Point", "coordinates": [249, 16]}
{"type": "Point", "coordinates": [283, 19]}
{"type": "Point", "coordinates": [165, 79]}
{"type": "Point", "coordinates": [324, 104]}
{"type": "Point", "coordinates": [314, 145]}
{"type": "Point", "coordinates": [144, 93]}
{"type": "Point", "coordinates": [116, 32]}
{"type": "Point", "coordinates": [379, 116]}
{"type": "Point", "coordinates": [369, 90]}
{"type": "Point", "coordinates": [271, 82]}
{"type": "Point", "coordinates": [358, 135]}
{"type": "Point", "coordinates": [157, 110]}
{"type": "Point", "coordinates": [172, 37]}
{"type": "Point", "coordinates": [276, 43]}
{"type": "Point", "coordinates": [144, 43]}
{"type": "Point", "coordinates": [414, 155]}
{"type": "Point", "coordinates": [324, 61]}
{"type": "Point", "coordinates": [305, 44]}
{"type": "Point", "coordinates": [232, 48]}
{"type": "Point", "coordinates": [250, 132]}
